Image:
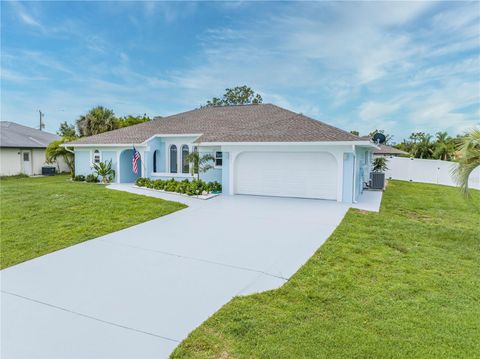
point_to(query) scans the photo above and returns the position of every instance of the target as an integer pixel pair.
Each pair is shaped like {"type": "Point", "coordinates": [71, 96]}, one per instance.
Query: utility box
{"type": "Point", "coordinates": [377, 180]}
{"type": "Point", "coordinates": [48, 170]}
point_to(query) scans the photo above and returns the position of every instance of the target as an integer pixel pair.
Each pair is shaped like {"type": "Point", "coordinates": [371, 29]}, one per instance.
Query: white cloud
{"type": "Point", "coordinates": [25, 17]}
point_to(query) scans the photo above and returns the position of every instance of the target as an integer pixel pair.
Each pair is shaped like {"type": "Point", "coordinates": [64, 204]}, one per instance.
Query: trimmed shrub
{"type": "Point", "coordinates": [79, 178]}
{"type": "Point", "coordinates": [171, 185]}
{"type": "Point", "coordinates": [92, 178]}
{"type": "Point", "coordinates": [139, 181]}
{"type": "Point", "coordinates": [159, 184]}
{"type": "Point", "coordinates": [191, 188]}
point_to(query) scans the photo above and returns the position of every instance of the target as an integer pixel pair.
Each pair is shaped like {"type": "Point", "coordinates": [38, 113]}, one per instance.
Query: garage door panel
{"type": "Point", "coordinates": [289, 174]}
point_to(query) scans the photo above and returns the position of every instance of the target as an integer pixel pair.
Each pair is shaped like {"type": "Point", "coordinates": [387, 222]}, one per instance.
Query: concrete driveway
{"type": "Point", "coordinates": [138, 292]}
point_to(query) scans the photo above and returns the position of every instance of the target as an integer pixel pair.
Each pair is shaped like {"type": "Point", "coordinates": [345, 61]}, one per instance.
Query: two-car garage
{"type": "Point", "coordinates": [286, 174]}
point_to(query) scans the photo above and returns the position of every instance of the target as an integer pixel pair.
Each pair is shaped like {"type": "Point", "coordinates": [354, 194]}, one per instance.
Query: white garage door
{"type": "Point", "coordinates": [286, 174]}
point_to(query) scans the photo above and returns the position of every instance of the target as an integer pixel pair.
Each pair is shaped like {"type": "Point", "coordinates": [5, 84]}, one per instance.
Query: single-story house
{"type": "Point", "coordinates": [22, 150]}
{"type": "Point", "coordinates": [258, 149]}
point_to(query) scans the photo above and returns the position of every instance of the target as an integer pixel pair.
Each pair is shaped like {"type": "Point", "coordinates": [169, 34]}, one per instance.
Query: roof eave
{"type": "Point", "coordinates": [297, 143]}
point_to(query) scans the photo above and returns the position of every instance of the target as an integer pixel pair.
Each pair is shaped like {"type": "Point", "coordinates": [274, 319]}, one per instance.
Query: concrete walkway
{"type": "Point", "coordinates": [138, 292]}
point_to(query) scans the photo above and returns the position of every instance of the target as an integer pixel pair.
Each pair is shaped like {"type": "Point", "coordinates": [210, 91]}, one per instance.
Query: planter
{"type": "Point", "coordinates": [207, 196]}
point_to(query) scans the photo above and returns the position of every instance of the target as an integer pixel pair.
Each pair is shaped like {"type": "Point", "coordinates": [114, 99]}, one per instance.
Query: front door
{"type": "Point", "coordinates": [26, 162]}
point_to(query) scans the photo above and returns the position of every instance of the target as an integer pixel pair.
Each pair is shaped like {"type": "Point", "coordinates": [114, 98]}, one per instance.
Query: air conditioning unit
{"type": "Point", "coordinates": [377, 180]}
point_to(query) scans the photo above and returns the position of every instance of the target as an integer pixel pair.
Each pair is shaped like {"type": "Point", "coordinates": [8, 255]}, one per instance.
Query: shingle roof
{"type": "Point", "coordinates": [14, 135]}
{"type": "Point", "coordinates": [245, 123]}
{"type": "Point", "coordinates": [388, 150]}
{"type": "Point", "coordinates": [385, 149]}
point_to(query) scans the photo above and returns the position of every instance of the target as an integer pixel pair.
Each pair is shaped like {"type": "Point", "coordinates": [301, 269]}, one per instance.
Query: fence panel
{"type": "Point", "coordinates": [427, 171]}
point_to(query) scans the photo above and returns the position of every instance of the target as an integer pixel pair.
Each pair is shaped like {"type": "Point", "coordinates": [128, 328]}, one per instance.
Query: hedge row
{"type": "Point", "coordinates": [90, 178]}
{"type": "Point", "coordinates": [191, 188]}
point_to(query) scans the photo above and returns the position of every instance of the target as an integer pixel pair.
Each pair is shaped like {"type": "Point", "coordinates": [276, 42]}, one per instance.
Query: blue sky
{"type": "Point", "coordinates": [398, 66]}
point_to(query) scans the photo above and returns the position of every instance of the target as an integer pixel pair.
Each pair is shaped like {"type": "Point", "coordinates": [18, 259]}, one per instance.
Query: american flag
{"type": "Point", "coordinates": [136, 157]}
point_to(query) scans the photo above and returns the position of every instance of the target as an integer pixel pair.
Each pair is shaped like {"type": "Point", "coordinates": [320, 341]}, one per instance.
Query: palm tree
{"type": "Point", "coordinates": [444, 147]}
{"type": "Point", "coordinates": [424, 147]}
{"type": "Point", "coordinates": [200, 163]}
{"type": "Point", "coordinates": [469, 158]}
{"type": "Point", "coordinates": [54, 151]}
{"type": "Point", "coordinates": [99, 119]}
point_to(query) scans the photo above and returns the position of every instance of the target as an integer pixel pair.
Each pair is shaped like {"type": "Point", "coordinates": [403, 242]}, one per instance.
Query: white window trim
{"type": "Point", "coordinates": [175, 175]}
{"type": "Point", "coordinates": [92, 157]}
{"type": "Point", "coordinates": [168, 158]}
{"type": "Point", "coordinates": [181, 159]}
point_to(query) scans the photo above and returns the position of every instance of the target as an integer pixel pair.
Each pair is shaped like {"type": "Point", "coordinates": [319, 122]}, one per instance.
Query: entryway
{"type": "Point", "coordinates": [27, 162]}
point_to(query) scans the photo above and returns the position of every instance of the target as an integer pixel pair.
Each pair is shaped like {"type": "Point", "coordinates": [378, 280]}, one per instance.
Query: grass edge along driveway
{"type": "Point", "coordinates": [44, 214]}
{"type": "Point", "coordinates": [404, 282]}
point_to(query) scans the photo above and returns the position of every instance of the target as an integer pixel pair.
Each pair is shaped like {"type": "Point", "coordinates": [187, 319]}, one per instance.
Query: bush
{"type": "Point", "coordinates": [79, 178]}
{"type": "Point", "coordinates": [171, 185]}
{"type": "Point", "coordinates": [93, 178]}
{"type": "Point", "coordinates": [191, 188]}
{"type": "Point", "coordinates": [214, 187]}
{"type": "Point", "coordinates": [140, 181]}
{"type": "Point", "coordinates": [159, 184]}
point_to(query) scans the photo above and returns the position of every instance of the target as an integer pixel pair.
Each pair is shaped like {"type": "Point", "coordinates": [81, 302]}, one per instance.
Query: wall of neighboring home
{"type": "Point", "coordinates": [11, 161]}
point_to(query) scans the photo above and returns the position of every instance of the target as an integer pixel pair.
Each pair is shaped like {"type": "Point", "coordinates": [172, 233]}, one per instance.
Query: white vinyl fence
{"type": "Point", "coordinates": [427, 171]}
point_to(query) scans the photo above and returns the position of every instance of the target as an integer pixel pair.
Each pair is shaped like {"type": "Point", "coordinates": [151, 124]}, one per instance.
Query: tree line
{"type": "Point", "coordinates": [442, 146]}
{"type": "Point", "coordinates": [98, 120]}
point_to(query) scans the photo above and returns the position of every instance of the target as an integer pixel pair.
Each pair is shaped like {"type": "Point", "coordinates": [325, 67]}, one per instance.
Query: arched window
{"type": "Point", "coordinates": [185, 164]}
{"type": "Point", "coordinates": [173, 159]}
{"type": "Point", "coordinates": [155, 161]}
{"type": "Point", "coordinates": [96, 156]}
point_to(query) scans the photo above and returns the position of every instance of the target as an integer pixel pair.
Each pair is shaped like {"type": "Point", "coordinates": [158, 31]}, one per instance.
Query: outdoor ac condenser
{"type": "Point", "coordinates": [377, 180]}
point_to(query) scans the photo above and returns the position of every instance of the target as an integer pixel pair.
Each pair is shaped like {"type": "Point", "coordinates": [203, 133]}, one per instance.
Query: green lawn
{"type": "Point", "coordinates": [44, 214]}
{"type": "Point", "coordinates": [401, 283]}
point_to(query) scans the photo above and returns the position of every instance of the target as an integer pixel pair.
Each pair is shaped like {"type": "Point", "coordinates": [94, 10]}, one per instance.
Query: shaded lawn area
{"type": "Point", "coordinates": [401, 283]}
{"type": "Point", "coordinates": [44, 214]}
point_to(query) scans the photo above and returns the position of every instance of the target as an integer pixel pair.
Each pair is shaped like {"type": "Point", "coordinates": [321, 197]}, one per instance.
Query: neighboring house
{"type": "Point", "coordinates": [386, 151]}
{"type": "Point", "coordinates": [258, 149]}
{"type": "Point", "coordinates": [22, 149]}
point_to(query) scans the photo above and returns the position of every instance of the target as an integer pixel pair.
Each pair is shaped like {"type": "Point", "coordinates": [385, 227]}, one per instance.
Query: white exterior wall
{"type": "Point", "coordinates": [427, 171]}
{"type": "Point", "coordinates": [11, 161]}
{"type": "Point", "coordinates": [336, 151]}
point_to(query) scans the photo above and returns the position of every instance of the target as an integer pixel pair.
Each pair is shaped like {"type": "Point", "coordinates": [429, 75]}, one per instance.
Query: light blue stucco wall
{"type": "Point", "coordinates": [162, 145]}
{"type": "Point", "coordinates": [155, 144]}
{"type": "Point", "coordinates": [348, 170]}
{"type": "Point", "coordinates": [107, 156]}
{"type": "Point", "coordinates": [126, 167]}
{"type": "Point", "coordinates": [82, 163]}
{"type": "Point", "coordinates": [83, 160]}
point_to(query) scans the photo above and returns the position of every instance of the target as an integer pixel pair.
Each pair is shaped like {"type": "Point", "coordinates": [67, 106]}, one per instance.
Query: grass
{"type": "Point", "coordinates": [44, 214]}
{"type": "Point", "coordinates": [401, 283]}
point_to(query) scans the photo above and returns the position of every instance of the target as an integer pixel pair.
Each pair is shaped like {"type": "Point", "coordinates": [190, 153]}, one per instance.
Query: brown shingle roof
{"type": "Point", "coordinates": [388, 150]}
{"type": "Point", "coordinates": [385, 149]}
{"type": "Point", "coordinates": [246, 123]}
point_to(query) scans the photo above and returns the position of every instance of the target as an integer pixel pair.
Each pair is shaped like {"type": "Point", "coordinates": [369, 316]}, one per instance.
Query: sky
{"type": "Point", "coordinates": [397, 66]}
